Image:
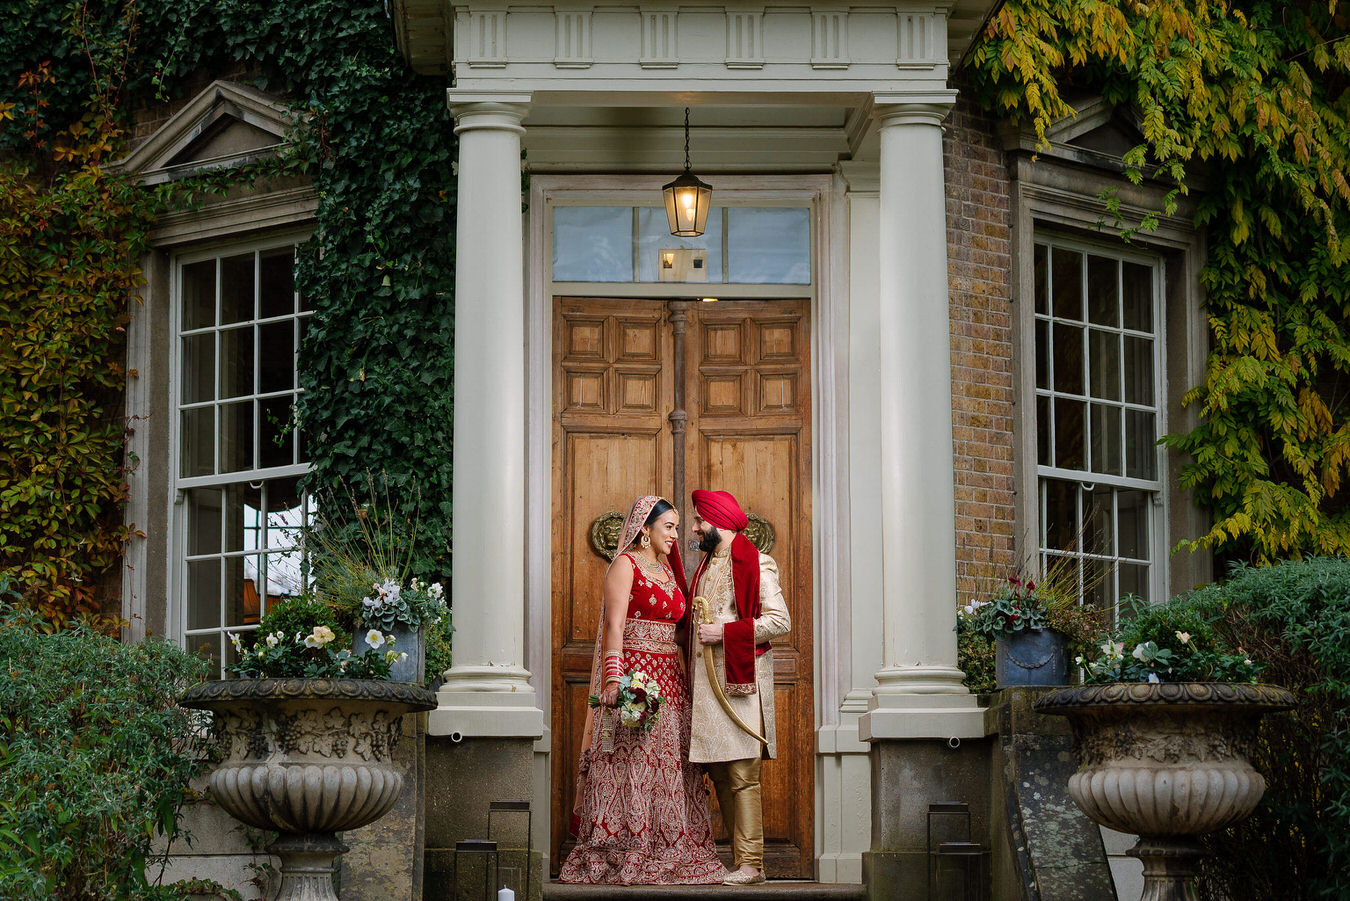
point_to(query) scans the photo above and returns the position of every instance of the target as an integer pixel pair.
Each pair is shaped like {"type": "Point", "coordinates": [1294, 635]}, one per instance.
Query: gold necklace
{"type": "Point", "coordinates": [657, 570]}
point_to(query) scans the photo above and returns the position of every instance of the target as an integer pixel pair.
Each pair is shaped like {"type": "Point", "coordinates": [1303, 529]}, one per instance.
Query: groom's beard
{"type": "Point", "coordinates": [710, 540]}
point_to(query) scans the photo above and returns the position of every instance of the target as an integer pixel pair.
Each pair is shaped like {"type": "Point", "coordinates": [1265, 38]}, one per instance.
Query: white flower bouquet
{"type": "Point", "coordinates": [640, 701]}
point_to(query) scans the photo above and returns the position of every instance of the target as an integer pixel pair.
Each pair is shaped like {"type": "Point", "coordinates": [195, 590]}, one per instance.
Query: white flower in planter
{"type": "Point", "coordinates": [375, 638]}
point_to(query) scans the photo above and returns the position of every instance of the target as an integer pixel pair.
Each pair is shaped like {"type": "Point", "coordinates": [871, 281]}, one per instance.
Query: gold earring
{"type": "Point", "coordinates": [646, 541]}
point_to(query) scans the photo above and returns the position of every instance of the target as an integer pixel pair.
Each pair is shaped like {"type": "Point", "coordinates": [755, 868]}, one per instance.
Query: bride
{"type": "Point", "coordinates": [641, 813]}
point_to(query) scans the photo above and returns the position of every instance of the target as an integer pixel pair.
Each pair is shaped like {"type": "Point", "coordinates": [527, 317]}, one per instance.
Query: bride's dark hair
{"type": "Point", "coordinates": [661, 507]}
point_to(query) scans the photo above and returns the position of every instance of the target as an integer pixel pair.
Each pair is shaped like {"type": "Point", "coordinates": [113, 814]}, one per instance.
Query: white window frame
{"type": "Point", "coordinates": [1156, 488]}
{"type": "Point", "coordinates": [1087, 480]}
{"type": "Point", "coordinates": [177, 619]}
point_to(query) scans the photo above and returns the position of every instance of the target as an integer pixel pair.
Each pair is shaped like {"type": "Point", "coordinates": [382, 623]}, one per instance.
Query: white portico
{"type": "Point", "coordinates": [836, 108]}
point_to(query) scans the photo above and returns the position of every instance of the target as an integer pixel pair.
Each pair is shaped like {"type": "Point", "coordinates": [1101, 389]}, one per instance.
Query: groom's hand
{"type": "Point", "coordinates": [710, 633]}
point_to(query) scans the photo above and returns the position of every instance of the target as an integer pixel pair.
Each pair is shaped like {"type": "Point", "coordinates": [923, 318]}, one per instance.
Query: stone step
{"type": "Point", "coordinates": [773, 890]}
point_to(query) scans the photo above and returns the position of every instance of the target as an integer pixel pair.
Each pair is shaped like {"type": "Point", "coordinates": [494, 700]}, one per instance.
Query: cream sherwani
{"type": "Point", "coordinates": [713, 736]}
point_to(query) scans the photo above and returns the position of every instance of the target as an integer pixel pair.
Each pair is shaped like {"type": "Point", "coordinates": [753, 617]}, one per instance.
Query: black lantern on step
{"type": "Point", "coordinates": [687, 198]}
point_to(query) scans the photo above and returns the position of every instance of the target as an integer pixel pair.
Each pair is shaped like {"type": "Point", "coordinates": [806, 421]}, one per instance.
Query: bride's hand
{"type": "Point", "coordinates": [609, 697]}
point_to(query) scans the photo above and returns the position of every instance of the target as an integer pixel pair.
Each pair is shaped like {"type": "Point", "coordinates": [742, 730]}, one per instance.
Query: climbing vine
{"type": "Point", "coordinates": [1249, 99]}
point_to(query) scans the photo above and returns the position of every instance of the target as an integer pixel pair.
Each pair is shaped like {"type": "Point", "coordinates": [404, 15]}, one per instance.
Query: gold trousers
{"type": "Point", "coordinates": [738, 795]}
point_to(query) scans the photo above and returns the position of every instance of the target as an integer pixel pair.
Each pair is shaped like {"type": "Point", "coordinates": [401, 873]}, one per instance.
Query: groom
{"type": "Point", "coordinates": [732, 698]}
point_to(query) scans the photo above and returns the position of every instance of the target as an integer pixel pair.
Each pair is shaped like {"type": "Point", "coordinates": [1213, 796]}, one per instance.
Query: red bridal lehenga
{"type": "Point", "coordinates": [642, 812]}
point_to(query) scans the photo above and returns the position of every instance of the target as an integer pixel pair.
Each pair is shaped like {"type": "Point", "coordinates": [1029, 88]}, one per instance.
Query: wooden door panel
{"type": "Point", "coordinates": [747, 396]}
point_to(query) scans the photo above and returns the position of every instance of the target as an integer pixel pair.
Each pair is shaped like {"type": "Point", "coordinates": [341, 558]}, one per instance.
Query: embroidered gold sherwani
{"type": "Point", "coordinates": [713, 736]}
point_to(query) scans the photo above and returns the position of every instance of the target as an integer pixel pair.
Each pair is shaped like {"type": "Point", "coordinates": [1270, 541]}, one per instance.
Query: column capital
{"type": "Point", "coordinates": [861, 177]}
{"type": "Point", "coordinates": [920, 108]}
{"type": "Point", "coordinates": [482, 109]}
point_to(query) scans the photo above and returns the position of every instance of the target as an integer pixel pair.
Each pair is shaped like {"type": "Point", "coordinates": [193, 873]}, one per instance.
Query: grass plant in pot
{"type": "Point", "coordinates": [1164, 730]}
{"type": "Point", "coordinates": [364, 562]}
{"type": "Point", "coordinates": [306, 736]}
{"type": "Point", "coordinates": [1033, 626]}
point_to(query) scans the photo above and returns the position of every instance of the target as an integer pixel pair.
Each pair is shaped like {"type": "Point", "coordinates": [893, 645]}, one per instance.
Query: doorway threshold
{"type": "Point", "coordinates": [773, 890]}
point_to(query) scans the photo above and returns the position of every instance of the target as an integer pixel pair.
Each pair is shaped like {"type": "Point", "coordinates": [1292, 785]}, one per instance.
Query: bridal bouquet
{"type": "Point", "coordinates": [639, 701]}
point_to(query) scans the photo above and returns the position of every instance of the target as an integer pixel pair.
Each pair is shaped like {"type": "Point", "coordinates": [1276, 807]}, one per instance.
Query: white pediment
{"type": "Point", "coordinates": [1097, 133]}
{"type": "Point", "coordinates": [226, 125]}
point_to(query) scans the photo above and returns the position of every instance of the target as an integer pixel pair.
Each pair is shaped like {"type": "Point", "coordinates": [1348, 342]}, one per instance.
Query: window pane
{"type": "Point", "coordinates": [1133, 578]}
{"type": "Point", "coordinates": [1104, 364]}
{"type": "Point", "coordinates": [203, 594]}
{"type": "Point", "coordinates": [1140, 438]}
{"type": "Point", "coordinates": [654, 236]}
{"type": "Point", "coordinates": [203, 517]}
{"type": "Point", "coordinates": [1132, 517]}
{"type": "Point", "coordinates": [207, 647]}
{"type": "Point", "coordinates": [236, 289]}
{"type": "Point", "coordinates": [1068, 283]}
{"type": "Point", "coordinates": [236, 436]}
{"type": "Point", "coordinates": [1102, 291]}
{"type": "Point", "coordinates": [243, 517]}
{"type": "Point", "coordinates": [593, 244]}
{"type": "Point", "coordinates": [1069, 433]}
{"type": "Point", "coordinates": [198, 442]}
{"type": "Point", "coordinates": [236, 362]}
{"type": "Point", "coordinates": [199, 368]}
{"type": "Point", "coordinates": [243, 603]}
{"type": "Point", "coordinates": [769, 246]}
{"type": "Point", "coordinates": [1106, 444]}
{"type": "Point", "coordinates": [1138, 370]}
{"type": "Point", "coordinates": [276, 356]}
{"type": "Point", "coordinates": [1042, 353]}
{"type": "Point", "coordinates": [1042, 280]}
{"type": "Point", "coordinates": [1137, 283]}
{"type": "Point", "coordinates": [1100, 533]}
{"type": "Point", "coordinates": [277, 447]}
{"type": "Point", "coordinates": [1068, 359]}
{"type": "Point", "coordinates": [198, 284]}
{"type": "Point", "coordinates": [1043, 431]}
{"type": "Point", "coordinates": [1060, 514]}
{"type": "Point", "coordinates": [276, 283]}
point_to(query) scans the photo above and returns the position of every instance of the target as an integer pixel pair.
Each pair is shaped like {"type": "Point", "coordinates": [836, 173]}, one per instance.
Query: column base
{"type": "Point", "coordinates": [951, 717]}
{"type": "Point", "coordinates": [486, 701]}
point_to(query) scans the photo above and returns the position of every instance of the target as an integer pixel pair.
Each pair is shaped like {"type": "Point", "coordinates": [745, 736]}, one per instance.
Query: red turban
{"type": "Point", "coordinates": [720, 509]}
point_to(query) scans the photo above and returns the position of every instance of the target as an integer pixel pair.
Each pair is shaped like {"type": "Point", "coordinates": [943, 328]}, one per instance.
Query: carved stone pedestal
{"type": "Point", "coordinates": [1166, 762]}
{"type": "Point", "coordinates": [307, 758]}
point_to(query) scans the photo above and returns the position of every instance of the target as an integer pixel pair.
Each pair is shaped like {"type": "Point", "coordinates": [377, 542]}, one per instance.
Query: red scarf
{"type": "Point", "coordinates": [738, 638]}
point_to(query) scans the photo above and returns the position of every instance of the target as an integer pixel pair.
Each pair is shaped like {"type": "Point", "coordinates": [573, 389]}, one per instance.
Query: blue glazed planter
{"type": "Point", "coordinates": [1036, 657]}
{"type": "Point", "coordinates": [405, 640]}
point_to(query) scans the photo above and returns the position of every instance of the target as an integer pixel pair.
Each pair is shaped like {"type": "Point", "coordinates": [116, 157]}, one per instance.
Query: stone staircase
{"type": "Point", "coordinates": [774, 890]}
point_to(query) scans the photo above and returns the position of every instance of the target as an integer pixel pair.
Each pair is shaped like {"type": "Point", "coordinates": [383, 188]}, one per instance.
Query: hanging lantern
{"type": "Point", "coordinates": [687, 199]}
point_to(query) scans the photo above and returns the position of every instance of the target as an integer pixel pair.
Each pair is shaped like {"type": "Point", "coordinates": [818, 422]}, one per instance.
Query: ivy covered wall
{"type": "Point", "coordinates": [377, 143]}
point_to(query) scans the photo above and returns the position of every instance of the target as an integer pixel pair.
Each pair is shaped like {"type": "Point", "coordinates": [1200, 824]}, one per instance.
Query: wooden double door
{"type": "Point", "coordinates": [661, 397]}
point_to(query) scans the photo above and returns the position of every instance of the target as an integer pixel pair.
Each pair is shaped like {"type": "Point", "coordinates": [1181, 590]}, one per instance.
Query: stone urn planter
{"type": "Point", "coordinates": [307, 758]}
{"type": "Point", "coordinates": [1031, 657]}
{"type": "Point", "coordinates": [1168, 762]}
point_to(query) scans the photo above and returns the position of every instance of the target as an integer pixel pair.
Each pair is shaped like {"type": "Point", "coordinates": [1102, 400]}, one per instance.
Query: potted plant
{"type": "Point", "coordinates": [1164, 729]}
{"type": "Point", "coordinates": [306, 737]}
{"type": "Point", "coordinates": [363, 566]}
{"type": "Point", "coordinates": [1033, 625]}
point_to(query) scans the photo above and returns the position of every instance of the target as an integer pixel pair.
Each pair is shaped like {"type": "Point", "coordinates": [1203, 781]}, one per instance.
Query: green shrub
{"type": "Point", "coordinates": [1294, 617]}
{"type": "Point", "coordinates": [95, 759]}
{"type": "Point", "coordinates": [975, 657]}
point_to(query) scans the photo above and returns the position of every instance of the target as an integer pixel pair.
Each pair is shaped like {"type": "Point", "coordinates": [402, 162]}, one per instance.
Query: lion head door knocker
{"type": "Point", "coordinates": [605, 532]}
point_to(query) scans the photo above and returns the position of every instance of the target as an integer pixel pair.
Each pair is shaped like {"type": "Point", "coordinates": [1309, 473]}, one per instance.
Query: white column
{"type": "Point", "coordinates": [487, 690]}
{"type": "Point", "coordinates": [919, 692]}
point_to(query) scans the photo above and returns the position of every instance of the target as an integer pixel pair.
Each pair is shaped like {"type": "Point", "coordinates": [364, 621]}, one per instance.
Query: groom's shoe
{"type": "Point", "coordinates": [739, 877]}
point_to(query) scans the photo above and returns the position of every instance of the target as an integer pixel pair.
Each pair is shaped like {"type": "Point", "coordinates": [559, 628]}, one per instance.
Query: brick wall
{"type": "Point", "coordinates": [979, 262]}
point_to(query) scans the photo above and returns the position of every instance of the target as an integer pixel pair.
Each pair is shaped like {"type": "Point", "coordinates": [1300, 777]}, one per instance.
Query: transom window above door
{"type": "Point", "coordinates": [742, 245]}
